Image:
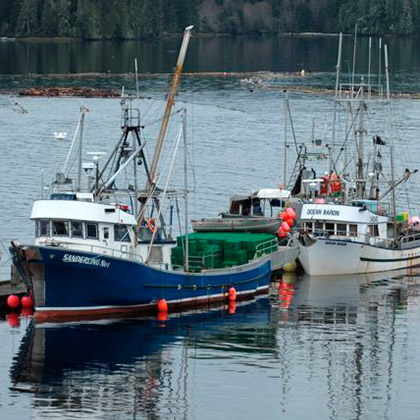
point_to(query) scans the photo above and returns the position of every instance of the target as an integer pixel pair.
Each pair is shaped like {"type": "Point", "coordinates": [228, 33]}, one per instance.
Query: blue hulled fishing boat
{"type": "Point", "coordinates": [109, 250]}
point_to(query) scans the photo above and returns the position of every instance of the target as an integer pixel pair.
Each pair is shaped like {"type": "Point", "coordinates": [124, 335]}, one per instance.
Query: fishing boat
{"type": "Point", "coordinates": [359, 229]}
{"type": "Point", "coordinates": [109, 250]}
{"type": "Point", "coordinates": [257, 212]}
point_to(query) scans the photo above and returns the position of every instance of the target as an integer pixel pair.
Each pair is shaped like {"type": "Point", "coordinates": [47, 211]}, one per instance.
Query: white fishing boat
{"type": "Point", "coordinates": [359, 229]}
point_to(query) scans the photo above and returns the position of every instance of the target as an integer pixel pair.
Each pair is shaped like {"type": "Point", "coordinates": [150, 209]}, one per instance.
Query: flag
{"type": "Point", "coordinates": [378, 140]}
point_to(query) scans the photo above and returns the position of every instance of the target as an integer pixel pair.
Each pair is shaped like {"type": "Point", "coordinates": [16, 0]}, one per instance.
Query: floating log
{"type": "Point", "coordinates": [86, 92]}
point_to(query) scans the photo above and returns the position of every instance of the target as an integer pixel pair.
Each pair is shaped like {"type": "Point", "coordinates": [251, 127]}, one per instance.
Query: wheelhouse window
{"type": "Point", "coordinates": [309, 227]}
{"type": "Point", "coordinates": [341, 229]}
{"type": "Point", "coordinates": [60, 228]}
{"type": "Point", "coordinates": [373, 230]}
{"type": "Point", "coordinates": [329, 227]}
{"type": "Point", "coordinates": [319, 226]}
{"type": "Point", "coordinates": [105, 231]}
{"type": "Point", "coordinates": [76, 229]}
{"type": "Point", "coordinates": [353, 230]}
{"type": "Point", "coordinates": [91, 231]}
{"type": "Point", "coordinates": [121, 233]}
{"type": "Point", "coordinates": [44, 228]}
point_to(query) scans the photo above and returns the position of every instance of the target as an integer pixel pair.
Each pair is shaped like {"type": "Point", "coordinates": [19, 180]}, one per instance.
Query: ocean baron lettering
{"type": "Point", "coordinates": [326, 212]}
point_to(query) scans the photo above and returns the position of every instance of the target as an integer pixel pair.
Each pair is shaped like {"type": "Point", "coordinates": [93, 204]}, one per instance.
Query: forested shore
{"type": "Point", "coordinates": [136, 19]}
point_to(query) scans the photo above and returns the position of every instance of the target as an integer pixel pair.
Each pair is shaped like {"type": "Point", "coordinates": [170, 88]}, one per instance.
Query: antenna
{"type": "Point", "coordinates": [380, 61]}
{"type": "Point", "coordinates": [386, 71]}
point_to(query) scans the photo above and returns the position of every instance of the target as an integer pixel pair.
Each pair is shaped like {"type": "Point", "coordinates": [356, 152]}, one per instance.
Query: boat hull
{"type": "Point", "coordinates": [237, 224]}
{"type": "Point", "coordinates": [70, 284]}
{"type": "Point", "coordinates": [333, 257]}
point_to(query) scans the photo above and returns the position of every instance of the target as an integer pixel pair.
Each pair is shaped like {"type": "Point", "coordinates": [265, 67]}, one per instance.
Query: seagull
{"type": "Point", "coordinates": [60, 135]}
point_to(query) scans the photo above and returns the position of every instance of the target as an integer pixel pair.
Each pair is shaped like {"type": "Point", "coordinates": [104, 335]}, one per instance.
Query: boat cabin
{"type": "Point", "coordinates": [356, 222]}
{"type": "Point", "coordinates": [108, 229]}
{"type": "Point", "coordinates": [260, 203]}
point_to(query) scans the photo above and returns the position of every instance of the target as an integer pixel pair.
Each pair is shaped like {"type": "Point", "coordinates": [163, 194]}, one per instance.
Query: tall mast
{"type": "Point", "coordinates": [370, 54]}
{"type": "Point", "coordinates": [169, 104]}
{"type": "Point", "coordinates": [285, 143]}
{"type": "Point", "coordinates": [79, 171]}
{"type": "Point", "coordinates": [337, 84]}
{"type": "Point", "coordinates": [354, 59]}
{"type": "Point", "coordinates": [360, 157]}
{"type": "Point", "coordinates": [184, 137]}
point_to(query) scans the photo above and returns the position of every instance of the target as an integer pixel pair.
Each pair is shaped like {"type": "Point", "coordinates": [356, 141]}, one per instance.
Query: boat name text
{"type": "Point", "coordinates": [85, 260]}
{"type": "Point", "coordinates": [325, 212]}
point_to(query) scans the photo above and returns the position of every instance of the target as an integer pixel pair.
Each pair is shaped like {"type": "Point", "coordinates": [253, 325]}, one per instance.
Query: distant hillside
{"type": "Point", "coordinates": [128, 19]}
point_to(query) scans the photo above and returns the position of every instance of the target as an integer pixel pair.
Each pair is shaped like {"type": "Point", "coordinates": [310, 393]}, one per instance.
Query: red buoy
{"type": "Point", "coordinates": [27, 302]}
{"type": "Point", "coordinates": [13, 301]}
{"type": "Point", "coordinates": [162, 305]}
{"type": "Point", "coordinates": [232, 294]}
{"type": "Point", "coordinates": [290, 213]}
{"type": "Point", "coordinates": [232, 307]}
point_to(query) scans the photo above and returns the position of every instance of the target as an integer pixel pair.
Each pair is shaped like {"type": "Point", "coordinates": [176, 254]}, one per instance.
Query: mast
{"type": "Point", "coordinates": [370, 54]}
{"type": "Point", "coordinates": [360, 163]}
{"type": "Point", "coordinates": [285, 143]}
{"type": "Point", "coordinates": [169, 104]}
{"type": "Point", "coordinates": [354, 59]}
{"type": "Point", "coordinates": [337, 84]}
{"type": "Point", "coordinates": [184, 137]}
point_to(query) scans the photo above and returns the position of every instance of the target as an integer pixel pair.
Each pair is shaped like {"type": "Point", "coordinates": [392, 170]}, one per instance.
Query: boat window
{"type": "Point", "coordinates": [341, 229]}
{"type": "Point", "coordinates": [121, 233]}
{"type": "Point", "coordinates": [106, 232]}
{"type": "Point", "coordinates": [373, 230]}
{"type": "Point", "coordinates": [319, 226]}
{"type": "Point", "coordinates": [44, 228]}
{"type": "Point", "coordinates": [329, 227]}
{"type": "Point", "coordinates": [234, 208]}
{"type": "Point", "coordinates": [91, 231]}
{"type": "Point", "coordinates": [309, 227]}
{"type": "Point", "coordinates": [60, 228]}
{"type": "Point", "coordinates": [353, 230]}
{"type": "Point", "coordinates": [76, 229]}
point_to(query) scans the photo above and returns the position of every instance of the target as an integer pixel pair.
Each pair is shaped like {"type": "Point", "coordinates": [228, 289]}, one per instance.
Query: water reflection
{"type": "Point", "coordinates": [341, 342]}
{"type": "Point", "coordinates": [280, 53]}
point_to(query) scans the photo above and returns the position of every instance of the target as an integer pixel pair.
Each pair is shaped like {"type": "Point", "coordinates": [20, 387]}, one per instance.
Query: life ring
{"type": "Point", "coordinates": [151, 224]}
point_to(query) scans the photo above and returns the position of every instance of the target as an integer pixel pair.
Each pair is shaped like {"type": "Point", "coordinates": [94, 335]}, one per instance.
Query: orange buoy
{"type": "Point", "coordinates": [285, 227]}
{"type": "Point", "coordinates": [232, 307]}
{"type": "Point", "coordinates": [27, 302]}
{"type": "Point", "coordinates": [232, 294]}
{"type": "Point", "coordinates": [162, 305]}
{"type": "Point", "coordinates": [13, 301]}
{"type": "Point", "coordinates": [290, 213]}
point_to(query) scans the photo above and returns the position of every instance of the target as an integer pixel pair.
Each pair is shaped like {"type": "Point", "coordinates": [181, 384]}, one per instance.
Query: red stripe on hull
{"type": "Point", "coordinates": [65, 315]}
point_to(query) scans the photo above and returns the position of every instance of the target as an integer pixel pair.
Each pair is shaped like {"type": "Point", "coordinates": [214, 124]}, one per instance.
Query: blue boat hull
{"type": "Point", "coordinates": [71, 283]}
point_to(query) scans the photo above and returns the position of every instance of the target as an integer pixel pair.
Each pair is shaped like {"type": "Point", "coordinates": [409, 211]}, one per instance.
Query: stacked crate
{"type": "Point", "coordinates": [211, 250]}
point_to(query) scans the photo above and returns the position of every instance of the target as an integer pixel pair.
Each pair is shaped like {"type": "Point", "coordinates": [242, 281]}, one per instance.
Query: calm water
{"type": "Point", "coordinates": [324, 348]}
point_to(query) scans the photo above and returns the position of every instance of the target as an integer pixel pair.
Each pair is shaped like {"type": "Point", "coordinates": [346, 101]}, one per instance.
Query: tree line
{"type": "Point", "coordinates": [133, 19]}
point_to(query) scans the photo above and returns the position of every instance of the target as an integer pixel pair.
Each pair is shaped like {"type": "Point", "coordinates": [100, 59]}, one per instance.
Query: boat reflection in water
{"type": "Point", "coordinates": [341, 342]}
